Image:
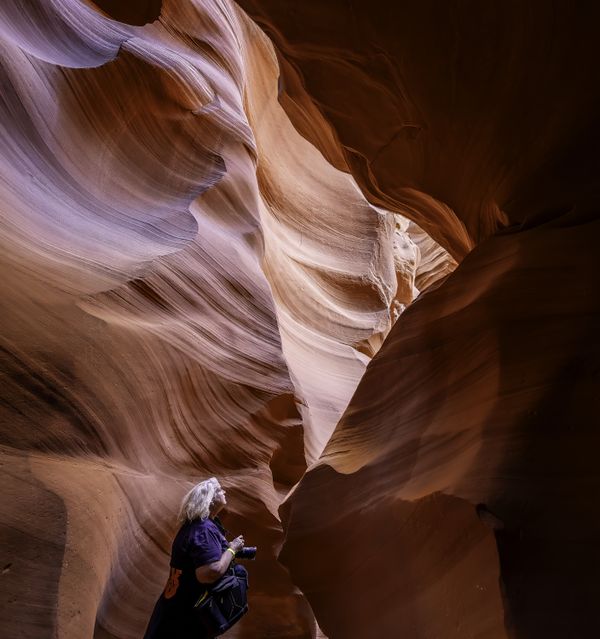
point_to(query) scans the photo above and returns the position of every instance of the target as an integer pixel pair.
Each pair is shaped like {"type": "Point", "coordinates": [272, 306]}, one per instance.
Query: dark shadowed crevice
{"type": "Point", "coordinates": [135, 12]}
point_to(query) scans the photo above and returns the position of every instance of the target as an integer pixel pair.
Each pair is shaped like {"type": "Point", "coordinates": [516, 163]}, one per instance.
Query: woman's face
{"type": "Point", "coordinates": [219, 499]}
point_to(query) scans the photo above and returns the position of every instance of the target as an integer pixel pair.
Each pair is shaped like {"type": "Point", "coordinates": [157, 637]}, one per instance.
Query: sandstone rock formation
{"type": "Point", "coordinates": [210, 250]}
{"type": "Point", "coordinates": [471, 119]}
{"type": "Point", "coordinates": [189, 289]}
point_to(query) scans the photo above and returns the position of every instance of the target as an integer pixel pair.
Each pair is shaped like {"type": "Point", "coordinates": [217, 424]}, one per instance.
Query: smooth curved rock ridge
{"type": "Point", "coordinates": [58, 32]}
{"type": "Point", "coordinates": [343, 264]}
{"type": "Point", "coordinates": [190, 289]}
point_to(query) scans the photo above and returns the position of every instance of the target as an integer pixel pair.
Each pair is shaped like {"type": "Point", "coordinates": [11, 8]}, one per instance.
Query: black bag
{"type": "Point", "coordinates": [225, 603]}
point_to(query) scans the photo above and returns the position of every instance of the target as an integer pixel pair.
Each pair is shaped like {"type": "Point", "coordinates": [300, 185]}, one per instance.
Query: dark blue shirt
{"type": "Point", "coordinates": [197, 543]}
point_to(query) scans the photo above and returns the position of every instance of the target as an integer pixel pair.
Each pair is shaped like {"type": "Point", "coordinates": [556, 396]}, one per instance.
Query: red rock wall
{"type": "Point", "coordinates": [485, 392]}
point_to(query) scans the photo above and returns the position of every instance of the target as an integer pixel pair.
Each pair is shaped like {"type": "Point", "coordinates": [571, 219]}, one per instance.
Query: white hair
{"type": "Point", "coordinates": [196, 504]}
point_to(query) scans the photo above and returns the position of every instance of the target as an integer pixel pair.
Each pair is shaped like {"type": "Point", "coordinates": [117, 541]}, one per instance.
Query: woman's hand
{"type": "Point", "coordinates": [211, 572]}
{"type": "Point", "coordinates": [237, 544]}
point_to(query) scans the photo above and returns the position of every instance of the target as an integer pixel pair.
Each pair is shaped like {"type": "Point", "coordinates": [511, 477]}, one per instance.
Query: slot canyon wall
{"type": "Point", "coordinates": [224, 254]}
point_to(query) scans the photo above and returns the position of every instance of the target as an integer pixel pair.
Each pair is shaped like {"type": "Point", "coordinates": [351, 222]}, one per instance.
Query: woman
{"type": "Point", "coordinates": [200, 555]}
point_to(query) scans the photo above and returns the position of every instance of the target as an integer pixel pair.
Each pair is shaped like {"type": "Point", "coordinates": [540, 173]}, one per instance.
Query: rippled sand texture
{"type": "Point", "coordinates": [471, 118]}
{"type": "Point", "coordinates": [189, 289]}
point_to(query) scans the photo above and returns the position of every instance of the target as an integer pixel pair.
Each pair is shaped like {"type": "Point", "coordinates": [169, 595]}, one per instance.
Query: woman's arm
{"type": "Point", "coordinates": [209, 573]}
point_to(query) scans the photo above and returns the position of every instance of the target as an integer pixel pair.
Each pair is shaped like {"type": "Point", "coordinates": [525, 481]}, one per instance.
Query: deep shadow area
{"type": "Point", "coordinates": [135, 12]}
{"type": "Point", "coordinates": [546, 488]}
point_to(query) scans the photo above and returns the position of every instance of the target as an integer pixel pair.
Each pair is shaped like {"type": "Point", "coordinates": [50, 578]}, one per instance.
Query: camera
{"type": "Point", "coordinates": [247, 552]}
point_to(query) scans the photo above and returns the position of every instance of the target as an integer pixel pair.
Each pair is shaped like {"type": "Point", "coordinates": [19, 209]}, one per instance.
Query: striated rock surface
{"type": "Point", "coordinates": [211, 250]}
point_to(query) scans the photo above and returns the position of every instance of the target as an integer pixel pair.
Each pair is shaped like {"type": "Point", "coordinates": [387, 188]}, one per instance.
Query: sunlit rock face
{"type": "Point", "coordinates": [190, 288]}
{"type": "Point", "coordinates": [479, 122]}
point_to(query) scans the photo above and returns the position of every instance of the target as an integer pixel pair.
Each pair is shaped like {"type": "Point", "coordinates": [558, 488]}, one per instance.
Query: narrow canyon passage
{"type": "Point", "coordinates": [342, 257]}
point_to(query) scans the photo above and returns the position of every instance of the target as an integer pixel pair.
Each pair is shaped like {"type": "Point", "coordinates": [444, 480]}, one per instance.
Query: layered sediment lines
{"type": "Point", "coordinates": [189, 289]}
{"type": "Point", "coordinates": [478, 122]}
